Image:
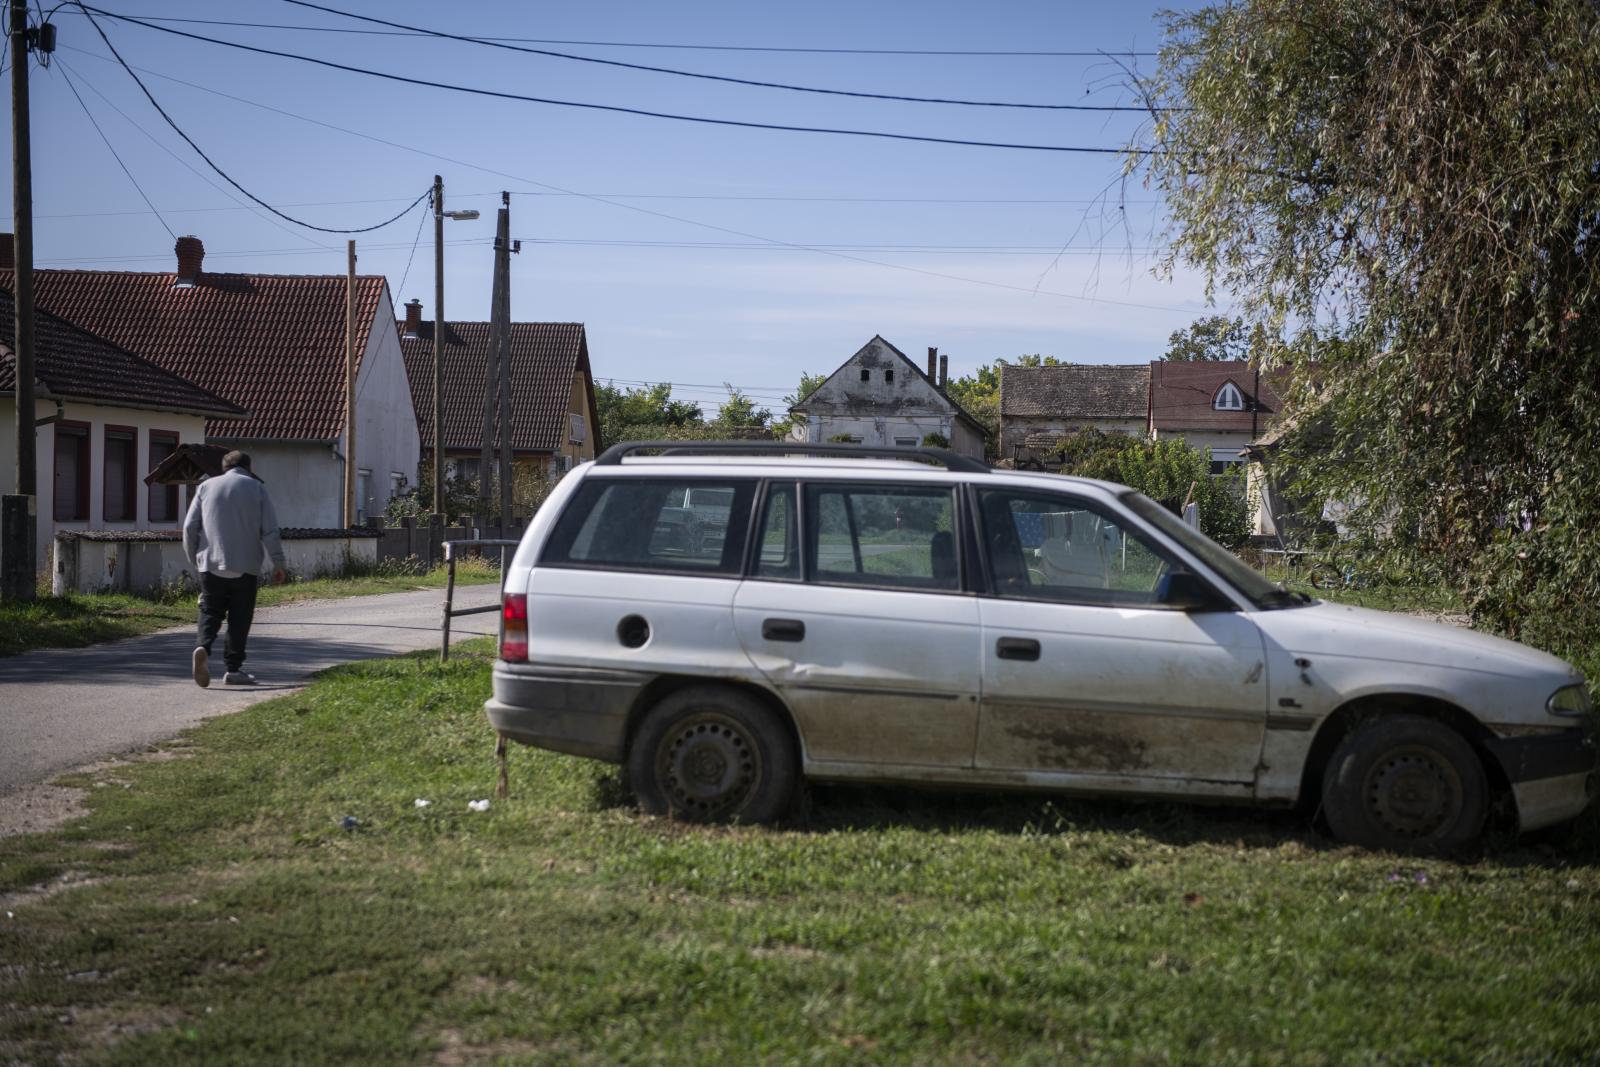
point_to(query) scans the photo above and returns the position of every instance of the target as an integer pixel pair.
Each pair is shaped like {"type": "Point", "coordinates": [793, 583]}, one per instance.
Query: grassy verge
{"type": "Point", "coordinates": [214, 909]}
{"type": "Point", "coordinates": [88, 618]}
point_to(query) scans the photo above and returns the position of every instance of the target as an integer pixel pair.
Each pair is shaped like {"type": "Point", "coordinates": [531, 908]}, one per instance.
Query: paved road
{"type": "Point", "coordinates": [63, 708]}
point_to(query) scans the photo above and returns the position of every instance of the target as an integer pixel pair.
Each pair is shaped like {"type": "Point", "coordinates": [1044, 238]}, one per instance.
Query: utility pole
{"type": "Point", "coordinates": [503, 249]}
{"type": "Point", "coordinates": [438, 342]}
{"type": "Point", "coordinates": [351, 477]}
{"type": "Point", "coordinates": [491, 380]}
{"type": "Point", "coordinates": [19, 511]}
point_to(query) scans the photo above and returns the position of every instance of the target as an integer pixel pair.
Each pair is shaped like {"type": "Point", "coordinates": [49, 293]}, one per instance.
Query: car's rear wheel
{"type": "Point", "coordinates": [713, 754]}
{"type": "Point", "coordinates": [1406, 784]}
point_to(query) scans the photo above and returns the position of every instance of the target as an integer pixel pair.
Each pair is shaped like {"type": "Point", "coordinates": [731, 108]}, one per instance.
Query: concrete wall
{"type": "Point", "coordinates": [305, 481]}
{"type": "Point", "coordinates": [189, 428]}
{"type": "Point", "coordinates": [85, 565]}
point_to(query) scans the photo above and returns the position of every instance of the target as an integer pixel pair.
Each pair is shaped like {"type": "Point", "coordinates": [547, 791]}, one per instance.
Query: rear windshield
{"type": "Point", "coordinates": [650, 524]}
{"type": "Point", "coordinates": [1246, 579]}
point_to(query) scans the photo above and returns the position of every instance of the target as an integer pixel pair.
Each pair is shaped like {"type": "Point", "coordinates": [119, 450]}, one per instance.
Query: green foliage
{"type": "Point", "coordinates": [978, 393]}
{"type": "Point", "coordinates": [841, 438]}
{"type": "Point", "coordinates": [1418, 183]}
{"type": "Point", "coordinates": [935, 440]}
{"type": "Point", "coordinates": [1216, 338]}
{"type": "Point", "coordinates": [784, 422]}
{"type": "Point", "coordinates": [460, 498]}
{"type": "Point", "coordinates": [1169, 471]}
{"type": "Point", "coordinates": [740, 412]}
{"type": "Point", "coordinates": [639, 405]}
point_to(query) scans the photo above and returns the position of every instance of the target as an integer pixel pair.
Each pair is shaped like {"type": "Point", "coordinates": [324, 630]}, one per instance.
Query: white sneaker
{"type": "Point", "coordinates": [201, 668]}
{"type": "Point", "coordinates": [238, 678]}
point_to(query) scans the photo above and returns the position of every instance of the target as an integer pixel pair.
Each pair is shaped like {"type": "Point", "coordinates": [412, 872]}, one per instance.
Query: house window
{"type": "Point", "coordinates": [72, 472]}
{"type": "Point", "coordinates": [866, 375]}
{"type": "Point", "coordinates": [1223, 459]}
{"type": "Point", "coordinates": [577, 429]}
{"type": "Point", "coordinates": [1228, 398]}
{"type": "Point", "coordinates": [906, 442]}
{"type": "Point", "coordinates": [163, 499]}
{"type": "Point", "coordinates": [888, 375]}
{"type": "Point", "coordinates": [121, 501]}
{"type": "Point", "coordinates": [363, 493]}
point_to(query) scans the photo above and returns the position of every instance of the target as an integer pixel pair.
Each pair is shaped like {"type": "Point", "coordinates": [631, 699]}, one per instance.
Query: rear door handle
{"type": "Point", "coordinates": [783, 629]}
{"type": "Point", "coordinates": [1017, 648]}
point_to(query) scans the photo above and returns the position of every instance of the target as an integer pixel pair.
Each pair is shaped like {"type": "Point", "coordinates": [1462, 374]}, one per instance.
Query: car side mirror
{"type": "Point", "coordinates": [1185, 590]}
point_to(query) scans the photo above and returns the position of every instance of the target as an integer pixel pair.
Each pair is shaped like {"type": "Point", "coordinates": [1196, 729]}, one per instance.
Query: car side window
{"type": "Point", "coordinates": [778, 548]}
{"type": "Point", "coordinates": [1046, 547]}
{"type": "Point", "coordinates": [646, 524]}
{"type": "Point", "coordinates": [882, 535]}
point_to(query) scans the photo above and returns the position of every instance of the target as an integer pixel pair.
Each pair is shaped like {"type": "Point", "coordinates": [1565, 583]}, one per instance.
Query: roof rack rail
{"type": "Point", "coordinates": [939, 456]}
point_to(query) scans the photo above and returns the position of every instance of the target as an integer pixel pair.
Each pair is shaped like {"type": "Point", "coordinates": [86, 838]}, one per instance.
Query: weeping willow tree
{"type": "Point", "coordinates": [1413, 190]}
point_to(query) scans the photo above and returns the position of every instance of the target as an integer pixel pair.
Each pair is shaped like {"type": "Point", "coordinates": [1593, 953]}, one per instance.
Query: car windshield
{"type": "Point", "coordinates": [1246, 579]}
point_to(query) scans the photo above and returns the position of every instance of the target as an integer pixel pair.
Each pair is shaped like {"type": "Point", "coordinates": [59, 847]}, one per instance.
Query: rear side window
{"type": "Point", "coordinates": [882, 535]}
{"type": "Point", "coordinates": [653, 525]}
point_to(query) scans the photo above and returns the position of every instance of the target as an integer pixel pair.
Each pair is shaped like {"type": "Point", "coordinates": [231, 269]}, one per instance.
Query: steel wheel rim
{"type": "Point", "coordinates": [1413, 792]}
{"type": "Point", "coordinates": [707, 765]}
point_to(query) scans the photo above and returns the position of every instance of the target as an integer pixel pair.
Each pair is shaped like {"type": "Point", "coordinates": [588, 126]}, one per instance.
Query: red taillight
{"type": "Point", "coordinates": [514, 627]}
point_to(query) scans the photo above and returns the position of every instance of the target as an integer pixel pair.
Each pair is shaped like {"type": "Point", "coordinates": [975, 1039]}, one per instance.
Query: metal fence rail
{"type": "Point", "coordinates": [453, 551]}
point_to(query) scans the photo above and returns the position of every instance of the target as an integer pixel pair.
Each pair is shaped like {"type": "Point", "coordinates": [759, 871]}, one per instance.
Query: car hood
{"type": "Point", "coordinates": [1328, 629]}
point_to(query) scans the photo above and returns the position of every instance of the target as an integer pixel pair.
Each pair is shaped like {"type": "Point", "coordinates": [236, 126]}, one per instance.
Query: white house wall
{"type": "Point", "coordinates": [387, 440]}
{"type": "Point", "coordinates": [305, 481]}
{"type": "Point", "coordinates": [190, 429]}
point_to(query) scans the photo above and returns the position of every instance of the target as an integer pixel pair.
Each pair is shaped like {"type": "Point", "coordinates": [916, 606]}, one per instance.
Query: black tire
{"type": "Point", "coordinates": [1325, 576]}
{"type": "Point", "coordinates": [1404, 783]}
{"type": "Point", "coordinates": [713, 754]}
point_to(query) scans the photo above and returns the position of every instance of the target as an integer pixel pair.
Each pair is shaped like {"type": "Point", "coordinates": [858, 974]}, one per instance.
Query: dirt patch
{"type": "Point", "coordinates": [455, 1051]}
{"type": "Point", "coordinates": [41, 806]}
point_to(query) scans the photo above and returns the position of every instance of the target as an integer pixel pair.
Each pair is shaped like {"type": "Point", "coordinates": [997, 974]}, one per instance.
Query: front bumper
{"type": "Point", "coordinates": [582, 711]}
{"type": "Point", "coordinates": [1553, 776]}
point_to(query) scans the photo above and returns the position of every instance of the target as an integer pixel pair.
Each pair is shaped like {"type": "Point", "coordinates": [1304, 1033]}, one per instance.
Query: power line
{"type": "Point", "coordinates": [421, 221]}
{"type": "Point", "coordinates": [209, 162]}
{"type": "Point", "coordinates": [1096, 54]}
{"type": "Point", "coordinates": [240, 253]}
{"type": "Point", "coordinates": [523, 49]}
{"type": "Point", "coordinates": [752, 246]}
{"type": "Point", "coordinates": [153, 139]}
{"type": "Point", "coordinates": [653, 213]}
{"type": "Point", "coordinates": [614, 108]}
{"type": "Point", "coordinates": [110, 148]}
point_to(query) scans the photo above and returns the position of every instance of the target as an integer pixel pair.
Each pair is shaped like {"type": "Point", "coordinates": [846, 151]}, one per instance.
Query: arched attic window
{"type": "Point", "coordinates": [1228, 398]}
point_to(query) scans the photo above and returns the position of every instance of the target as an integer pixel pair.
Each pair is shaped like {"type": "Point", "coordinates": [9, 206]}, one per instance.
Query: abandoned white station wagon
{"type": "Point", "coordinates": [912, 616]}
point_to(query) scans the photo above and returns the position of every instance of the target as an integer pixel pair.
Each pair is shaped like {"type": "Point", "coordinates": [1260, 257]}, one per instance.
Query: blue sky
{"type": "Point", "coordinates": [633, 265]}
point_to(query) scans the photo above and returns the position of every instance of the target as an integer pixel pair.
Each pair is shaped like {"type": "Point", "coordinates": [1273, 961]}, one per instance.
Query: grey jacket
{"type": "Point", "coordinates": [230, 523]}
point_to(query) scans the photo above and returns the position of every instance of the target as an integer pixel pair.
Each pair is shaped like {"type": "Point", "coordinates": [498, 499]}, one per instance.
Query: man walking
{"type": "Point", "coordinates": [229, 525]}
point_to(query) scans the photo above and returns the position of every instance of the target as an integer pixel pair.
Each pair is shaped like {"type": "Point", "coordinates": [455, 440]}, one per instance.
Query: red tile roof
{"type": "Point", "coordinates": [72, 364]}
{"type": "Point", "coordinates": [270, 343]}
{"type": "Point", "coordinates": [1181, 395]}
{"type": "Point", "coordinates": [1075, 391]}
{"type": "Point", "coordinates": [544, 357]}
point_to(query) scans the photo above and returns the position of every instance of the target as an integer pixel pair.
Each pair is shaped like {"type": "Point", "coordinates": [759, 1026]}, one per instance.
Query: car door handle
{"type": "Point", "coordinates": [1017, 648]}
{"type": "Point", "coordinates": [783, 629]}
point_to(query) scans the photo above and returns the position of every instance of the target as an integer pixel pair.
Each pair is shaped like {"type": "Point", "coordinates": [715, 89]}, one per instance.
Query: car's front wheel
{"type": "Point", "coordinates": [1406, 784]}
{"type": "Point", "coordinates": [713, 754]}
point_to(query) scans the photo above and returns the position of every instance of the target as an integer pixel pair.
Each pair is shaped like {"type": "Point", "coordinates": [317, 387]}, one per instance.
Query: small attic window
{"type": "Point", "coordinates": [888, 375]}
{"type": "Point", "coordinates": [1228, 398]}
{"type": "Point", "coordinates": [866, 375]}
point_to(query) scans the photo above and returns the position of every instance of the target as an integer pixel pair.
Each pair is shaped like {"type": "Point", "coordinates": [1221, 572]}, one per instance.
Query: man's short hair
{"type": "Point", "coordinates": [236, 459]}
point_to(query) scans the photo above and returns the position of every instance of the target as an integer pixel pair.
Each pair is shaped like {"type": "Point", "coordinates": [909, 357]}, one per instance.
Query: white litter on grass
{"type": "Point", "coordinates": [478, 805]}
{"type": "Point", "coordinates": [422, 802]}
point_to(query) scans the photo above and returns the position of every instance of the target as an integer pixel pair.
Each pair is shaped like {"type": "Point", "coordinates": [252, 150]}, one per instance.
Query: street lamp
{"type": "Point", "coordinates": [439, 215]}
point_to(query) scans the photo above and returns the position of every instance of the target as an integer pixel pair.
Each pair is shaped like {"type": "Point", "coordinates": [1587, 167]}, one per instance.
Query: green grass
{"type": "Point", "coordinates": [211, 909]}
{"type": "Point", "coordinates": [80, 619]}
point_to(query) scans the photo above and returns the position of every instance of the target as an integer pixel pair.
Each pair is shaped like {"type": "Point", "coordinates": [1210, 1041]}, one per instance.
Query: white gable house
{"type": "Point", "coordinates": [879, 397]}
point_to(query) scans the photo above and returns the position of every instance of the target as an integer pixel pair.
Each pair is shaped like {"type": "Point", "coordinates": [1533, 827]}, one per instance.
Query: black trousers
{"type": "Point", "coordinates": [233, 599]}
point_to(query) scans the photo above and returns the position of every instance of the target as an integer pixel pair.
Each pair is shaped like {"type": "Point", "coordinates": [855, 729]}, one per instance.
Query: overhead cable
{"type": "Point", "coordinates": [525, 50]}
{"type": "Point", "coordinates": [615, 108]}
{"type": "Point", "coordinates": [112, 149]}
{"type": "Point", "coordinates": [224, 174]}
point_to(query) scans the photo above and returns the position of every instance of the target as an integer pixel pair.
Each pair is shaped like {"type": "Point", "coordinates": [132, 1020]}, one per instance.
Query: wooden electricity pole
{"type": "Point", "coordinates": [351, 474]}
{"type": "Point", "coordinates": [18, 511]}
{"type": "Point", "coordinates": [491, 382]}
{"type": "Point", "coordinates": [438, 353]}
{"type": "Point", "coordinates": [504, 248]}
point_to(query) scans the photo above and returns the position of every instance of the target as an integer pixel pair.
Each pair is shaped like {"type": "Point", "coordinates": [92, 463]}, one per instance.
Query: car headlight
{"type": "Point", "coordinates": [1570, 701]}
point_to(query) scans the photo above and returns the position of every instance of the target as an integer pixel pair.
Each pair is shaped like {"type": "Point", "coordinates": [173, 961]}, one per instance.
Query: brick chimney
{"type": "Point", "coordinates": [933, 364]}
{"type": "Point", "coordinates": [413, 319]}
{"type": "Point", "coordinates": [191, 253]}
{"type": "Point", "coordinates": [944, 372]}
{"type": "Point", "coordinates": [8, 251]}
